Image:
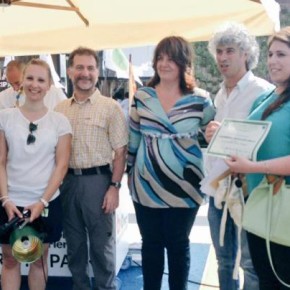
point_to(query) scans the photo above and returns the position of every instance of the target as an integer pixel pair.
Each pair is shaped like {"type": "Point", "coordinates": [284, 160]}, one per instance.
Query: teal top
{"type": "Point", "coordinates": [277, 142]}
{"type": "Point", "coordinates": [163, 153]}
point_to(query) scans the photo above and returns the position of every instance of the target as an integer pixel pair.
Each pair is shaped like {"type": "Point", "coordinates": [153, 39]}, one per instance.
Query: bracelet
{"type": "Point", "coordinates": [4, 197]}
{"type": "Point", "coordinates": [266, 165]}
{"type": "Point", "coordinates": [44, 202]}
{"type": "Point", "coordinates": [5, 201]}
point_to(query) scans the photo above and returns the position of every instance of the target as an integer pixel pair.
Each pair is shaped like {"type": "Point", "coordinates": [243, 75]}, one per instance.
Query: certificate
{"type": "Point", "coordinates": [238, 137]}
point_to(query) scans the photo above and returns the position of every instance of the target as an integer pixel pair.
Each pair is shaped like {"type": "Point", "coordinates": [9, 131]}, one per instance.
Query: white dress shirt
{"type": "Point", "coordinates": [235, 105]}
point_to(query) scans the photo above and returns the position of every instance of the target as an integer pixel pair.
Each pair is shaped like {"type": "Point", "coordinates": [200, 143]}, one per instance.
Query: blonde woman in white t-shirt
{"type": "Point", "coordinates": [35, 145]}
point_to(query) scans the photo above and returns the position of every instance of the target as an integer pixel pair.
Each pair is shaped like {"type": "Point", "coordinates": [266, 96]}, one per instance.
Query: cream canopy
{"type": "Point", "coordinates": [27, 30]}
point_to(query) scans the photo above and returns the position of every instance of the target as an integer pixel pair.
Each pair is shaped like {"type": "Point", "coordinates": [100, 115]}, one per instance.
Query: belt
{"type": "Point", "coordinates": [104, 169]}
{"type": "Point", "coordinates": [188, 135]}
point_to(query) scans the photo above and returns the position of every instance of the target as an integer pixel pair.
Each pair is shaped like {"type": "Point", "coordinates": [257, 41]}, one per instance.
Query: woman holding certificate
{"type": "Point", "coordinates": [165, 163]}
{"type": "Point", "coordinates": [272, 157]}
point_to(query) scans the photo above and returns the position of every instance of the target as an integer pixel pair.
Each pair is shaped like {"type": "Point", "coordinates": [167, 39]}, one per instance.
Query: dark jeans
{"type": "Point", "coordinates": [281, 260]}
{"type": "Point", "coordinates": [165, 228]}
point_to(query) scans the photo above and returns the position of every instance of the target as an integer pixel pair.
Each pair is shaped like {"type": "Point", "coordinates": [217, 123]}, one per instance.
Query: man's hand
{"type": "Point", "coordinates": [111, 200]}
{"type": "Point", "coordinates": [211, 129]}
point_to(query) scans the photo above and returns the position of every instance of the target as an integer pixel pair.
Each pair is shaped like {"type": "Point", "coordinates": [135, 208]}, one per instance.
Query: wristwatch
{"type": "Point", "coordinates": [116, 184]}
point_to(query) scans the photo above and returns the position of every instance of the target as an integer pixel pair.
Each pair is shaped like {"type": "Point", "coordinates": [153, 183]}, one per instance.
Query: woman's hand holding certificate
{"type": "Point", "coordinates": [238, 137]}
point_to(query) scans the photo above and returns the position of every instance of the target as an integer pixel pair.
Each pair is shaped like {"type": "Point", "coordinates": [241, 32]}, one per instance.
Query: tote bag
{"type": "Point", "coordinates": [267, 214]}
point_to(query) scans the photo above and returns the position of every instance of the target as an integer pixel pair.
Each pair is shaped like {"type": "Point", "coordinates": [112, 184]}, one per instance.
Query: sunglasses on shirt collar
{"type": "Point", "coordinates": [31, 138]}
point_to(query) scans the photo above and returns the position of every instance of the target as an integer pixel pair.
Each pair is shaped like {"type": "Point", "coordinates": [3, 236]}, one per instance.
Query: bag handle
{"type": "Point", "coordinates": [271, 193]}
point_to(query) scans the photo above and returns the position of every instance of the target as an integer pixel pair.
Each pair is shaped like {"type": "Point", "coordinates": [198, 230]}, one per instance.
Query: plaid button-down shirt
{"type": "Point", "coordinates": [99, 127]}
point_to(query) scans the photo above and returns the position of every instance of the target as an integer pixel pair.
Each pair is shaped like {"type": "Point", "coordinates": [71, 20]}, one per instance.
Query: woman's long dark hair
{"type": "Point", "coordinates": [283, 36]}
{"type": "Point", "coordinates": [180, 51]}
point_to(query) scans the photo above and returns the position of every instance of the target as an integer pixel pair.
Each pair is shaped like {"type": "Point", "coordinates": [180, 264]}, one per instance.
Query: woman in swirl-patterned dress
{"type": "Point", "coordinates": [165, 163]}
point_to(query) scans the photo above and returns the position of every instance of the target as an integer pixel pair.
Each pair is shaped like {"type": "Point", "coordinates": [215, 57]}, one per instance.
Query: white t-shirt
{"type": "Point", "coordinates": [8, 98]}
{"type": "Point", "coordinates": [29, 167]}
{"type": "Point", "coordinates": [53, 96]}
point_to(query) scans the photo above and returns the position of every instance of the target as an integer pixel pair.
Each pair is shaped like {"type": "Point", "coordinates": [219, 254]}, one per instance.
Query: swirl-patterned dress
{"type": "Point", "coordinates": [165, 160]}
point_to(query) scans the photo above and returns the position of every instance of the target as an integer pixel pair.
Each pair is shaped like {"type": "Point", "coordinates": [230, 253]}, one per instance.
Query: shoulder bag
{"type": "Point", "coordinates": [267, 214]}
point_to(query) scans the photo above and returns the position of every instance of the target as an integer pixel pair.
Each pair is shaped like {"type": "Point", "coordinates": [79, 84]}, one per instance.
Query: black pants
{"type": "Point", "coordinates": [165, 228]}
{"type": "Point", "coordinates": [281, 260]}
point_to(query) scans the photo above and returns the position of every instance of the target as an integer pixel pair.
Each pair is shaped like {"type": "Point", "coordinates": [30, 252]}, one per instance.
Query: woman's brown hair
{"type": "Point", "coordinates": [180, 51]}
{"type": "Point", "coordinates": [283, 36]}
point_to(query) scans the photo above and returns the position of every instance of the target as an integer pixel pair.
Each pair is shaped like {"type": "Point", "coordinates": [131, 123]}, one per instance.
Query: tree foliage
{"type": "Point", "coordinates": [206, 72]}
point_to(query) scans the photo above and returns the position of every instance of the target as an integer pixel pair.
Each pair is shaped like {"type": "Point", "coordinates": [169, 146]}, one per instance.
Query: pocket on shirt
{"type": "Point", "coordinates": [96, 122]}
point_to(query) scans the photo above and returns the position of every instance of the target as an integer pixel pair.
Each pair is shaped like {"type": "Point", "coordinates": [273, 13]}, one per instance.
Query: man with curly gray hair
{"type": "Point", "coordinates": [236, 53]}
